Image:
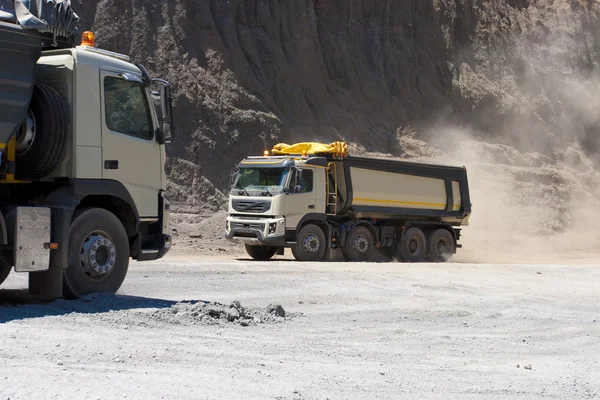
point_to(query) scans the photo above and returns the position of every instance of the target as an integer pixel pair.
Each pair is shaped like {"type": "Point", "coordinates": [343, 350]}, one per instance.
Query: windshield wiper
{"type": "Point", "coordinates": [267, 191]}
{"type": "Point", "coordinates": [244, 191]}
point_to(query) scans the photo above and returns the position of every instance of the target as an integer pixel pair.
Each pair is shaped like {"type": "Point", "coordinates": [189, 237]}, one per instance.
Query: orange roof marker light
{"type": "Point", "coordinates": [87, 39]}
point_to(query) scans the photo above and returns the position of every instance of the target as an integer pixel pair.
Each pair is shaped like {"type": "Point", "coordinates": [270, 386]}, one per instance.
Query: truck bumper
{"type": "Point", "coordinates": [268, 231]}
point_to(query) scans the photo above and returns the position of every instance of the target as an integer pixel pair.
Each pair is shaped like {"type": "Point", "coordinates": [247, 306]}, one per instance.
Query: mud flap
{"type": "Point", "coordinates": [32, 239]}
{"type": "Point", "coordinates": [50, 283]}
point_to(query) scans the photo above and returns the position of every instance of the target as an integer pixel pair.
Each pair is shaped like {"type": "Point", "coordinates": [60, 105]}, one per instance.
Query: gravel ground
{"type": "Point", "coordinates": [315, 331]}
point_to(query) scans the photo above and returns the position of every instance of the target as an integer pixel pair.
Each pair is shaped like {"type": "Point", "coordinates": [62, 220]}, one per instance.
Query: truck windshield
{"type": "Point", "coordinates": [272, 180]}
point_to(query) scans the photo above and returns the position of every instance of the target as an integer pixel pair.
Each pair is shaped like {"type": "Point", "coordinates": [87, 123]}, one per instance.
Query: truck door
{"type": "Point", "coordinates": [130, 152]}
{"type": "Point", "coordinates": [298, 204]}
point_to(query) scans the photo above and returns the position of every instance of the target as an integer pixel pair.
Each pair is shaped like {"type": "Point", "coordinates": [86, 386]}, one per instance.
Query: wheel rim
{"type": "Point", "coordinates": [26, 135]}
{"type": "Point", "coordinates": [360, 244]}
{"type": "Point", "coordinates": [414, 246]}
{"type": "Point", "coordinates": [97, 255]}
{"type": "Point", "coordinates": [311, 244]}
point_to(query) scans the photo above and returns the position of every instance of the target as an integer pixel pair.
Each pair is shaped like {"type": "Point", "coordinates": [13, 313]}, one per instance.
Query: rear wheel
{"type": "Point", "coordinates": [440, 245]}
{"type": "Point", "coordinates": [311, 244]}
{"type": "Point", "coordinates": [261, 253]}
{"type": "Point", "coordinates": [98, 254]}
{"type": "Point", "coordinates": [414, 245]}
{"type": "Point", "coordinates": [359, 245]}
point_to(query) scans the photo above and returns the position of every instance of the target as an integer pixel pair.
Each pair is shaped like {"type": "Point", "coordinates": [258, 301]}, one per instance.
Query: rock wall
{"type": "Point", "coordinates": [250, 73]}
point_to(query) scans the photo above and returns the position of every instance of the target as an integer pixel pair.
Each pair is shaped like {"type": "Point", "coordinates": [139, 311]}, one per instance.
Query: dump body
{"type": "Point", "coordinates": [375, 188]}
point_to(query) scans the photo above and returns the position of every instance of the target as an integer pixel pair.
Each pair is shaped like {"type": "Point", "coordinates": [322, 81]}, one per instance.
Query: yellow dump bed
{"type": "Point", "coordinates": [374, 188]}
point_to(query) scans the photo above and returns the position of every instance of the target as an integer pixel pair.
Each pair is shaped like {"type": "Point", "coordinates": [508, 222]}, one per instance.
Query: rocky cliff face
{"type": "Point", "coordinates": [250, 73]}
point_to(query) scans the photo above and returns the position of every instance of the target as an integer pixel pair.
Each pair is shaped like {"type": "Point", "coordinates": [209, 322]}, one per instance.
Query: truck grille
{"type": "Point", "coordinates": [251, 206]}
{"type": "Point", "coordinates": [248, 226]}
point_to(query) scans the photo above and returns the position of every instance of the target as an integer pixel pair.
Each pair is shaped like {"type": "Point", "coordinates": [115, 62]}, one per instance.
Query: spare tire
{"type": "Point", "coordinates": [41, 141]}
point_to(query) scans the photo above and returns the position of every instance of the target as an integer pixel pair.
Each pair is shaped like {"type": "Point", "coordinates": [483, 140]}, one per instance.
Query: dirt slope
{"type": "Point", "coordinates": [509, 77]}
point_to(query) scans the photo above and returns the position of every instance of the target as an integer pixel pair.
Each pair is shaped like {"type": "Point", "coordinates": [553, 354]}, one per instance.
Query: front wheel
{"type": "Point", "coordinates": [261, 253]}
{"type": "Point", "coordinates": [311, 244]}
{"type": "Point", "coordinates": [98, 254]}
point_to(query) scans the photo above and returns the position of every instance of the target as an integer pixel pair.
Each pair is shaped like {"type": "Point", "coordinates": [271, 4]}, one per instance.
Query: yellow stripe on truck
{"type": "Point", "coordinates": [408, 203]}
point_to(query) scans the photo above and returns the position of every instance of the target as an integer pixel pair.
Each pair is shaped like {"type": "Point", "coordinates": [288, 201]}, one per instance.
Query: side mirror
{"type": "Point", "coordinates": [167, 117]}
{"type": "Point", "coordinates": [167, 134]}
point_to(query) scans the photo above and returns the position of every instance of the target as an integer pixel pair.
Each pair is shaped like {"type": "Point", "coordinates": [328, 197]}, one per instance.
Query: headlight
{"type": "Point", "coordinates": [272, 228]}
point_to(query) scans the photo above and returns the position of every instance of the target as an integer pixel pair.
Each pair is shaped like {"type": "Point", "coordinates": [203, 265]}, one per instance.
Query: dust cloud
{"type": "Point", "coordinates": [532, 207]}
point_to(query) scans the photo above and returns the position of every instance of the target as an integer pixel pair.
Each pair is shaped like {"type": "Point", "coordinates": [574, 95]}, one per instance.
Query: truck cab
{"type": "Point", "coordinates": [270, 197]}
{"type": "Point", "coordinates": [87, 168]}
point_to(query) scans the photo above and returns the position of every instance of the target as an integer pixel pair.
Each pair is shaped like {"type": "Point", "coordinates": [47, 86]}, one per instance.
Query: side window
{"type": "Point", "coordinates": [127, 110]}
{"type": "Point", "coordinates": [306, 182]}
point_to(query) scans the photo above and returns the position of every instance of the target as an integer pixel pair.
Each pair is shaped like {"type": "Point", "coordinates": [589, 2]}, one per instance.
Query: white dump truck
{"type": "Point", "coordinates": [82, 142]}
{"type": "Point", "coordinates": [314, 197]}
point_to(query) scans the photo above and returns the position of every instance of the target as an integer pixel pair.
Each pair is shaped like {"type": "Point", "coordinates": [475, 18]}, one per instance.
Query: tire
{"type": "Point", "coordinates": [311, 244]}
{"type": "Point", "coordinates": [80, 277]}
{"type": "Point", "coordinates": [295, 253]}
{"type": "Point", "coordinates": [413, 247]}
{"type": "Point", "coordinates": [42, 139]}
{"type": "Point", "coordinates": [4, 270]}
{"type": "Point", "coordinates": [359, 245]}
{"type": "Point", "coordinates": [261, 253]}
{"type": "Point", "coordinates": [440, 245]}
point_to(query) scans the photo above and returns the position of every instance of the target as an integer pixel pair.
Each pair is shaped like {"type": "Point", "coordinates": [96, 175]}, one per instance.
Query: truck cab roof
{"type": "Point", "coordinates": [99, 58]}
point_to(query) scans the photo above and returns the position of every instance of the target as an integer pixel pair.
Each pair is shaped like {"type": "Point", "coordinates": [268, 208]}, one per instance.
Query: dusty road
{"type": "Point", "coordinates": [353, 331]}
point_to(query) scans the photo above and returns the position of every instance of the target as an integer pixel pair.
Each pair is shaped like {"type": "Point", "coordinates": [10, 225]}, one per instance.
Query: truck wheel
{"type": "Point", "coordinates": [414, 245]}
{"type": "Point", "coordinates": [98, 254]}
{"type": "Point", "coordinates": [440, 245]}
{"type": "Point", "coordinates": [295, 253]}
{"type": "Point", "coordinates": [261, 253]}
{"type": "Point", "coordinates": [311, 244]}
{"type": "Point", "coordinates": [4, 271]}
{"type": "Point", "coordinates": [359, 245]}
{"type": "Point", "coordinates": [41, 141]}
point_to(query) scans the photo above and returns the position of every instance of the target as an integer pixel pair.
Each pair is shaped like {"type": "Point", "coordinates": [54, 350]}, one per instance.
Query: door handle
{"type": "Point", "coordinates": [311, 207]}
{"type": "Point", "coordinates": [111, 164]}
